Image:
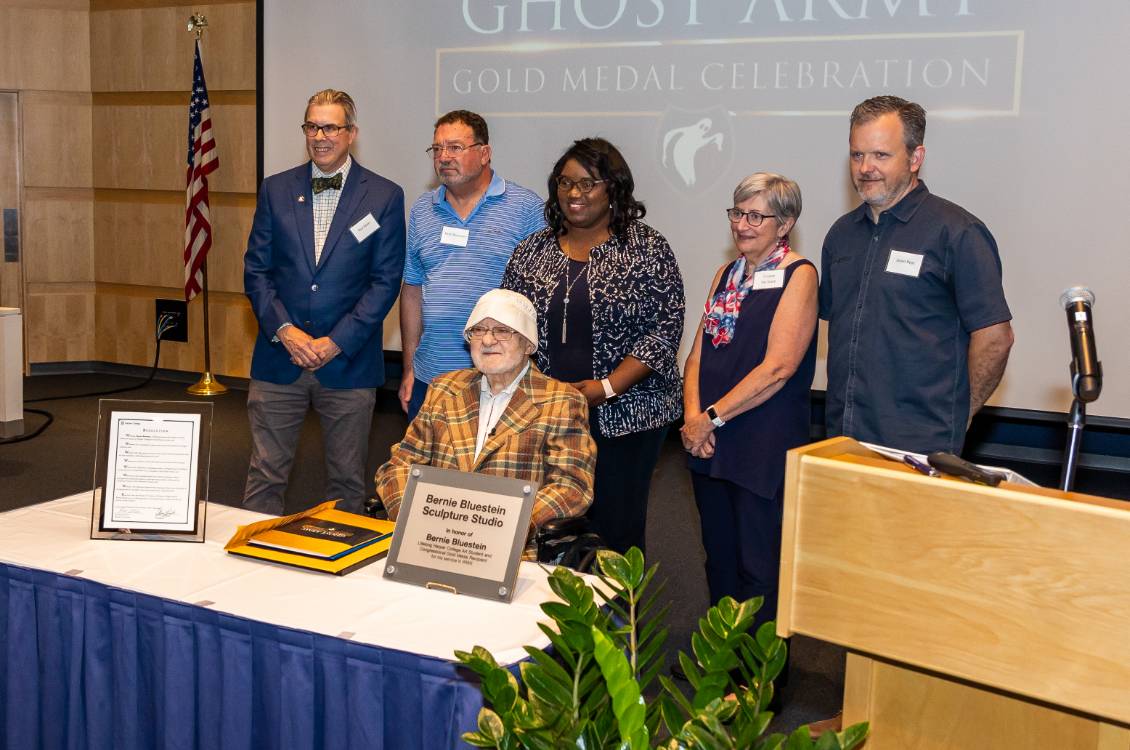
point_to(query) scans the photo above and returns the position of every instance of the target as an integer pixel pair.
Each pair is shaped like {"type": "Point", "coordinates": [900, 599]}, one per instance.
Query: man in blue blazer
{"type": "Point", "coordinates": [322, 269]}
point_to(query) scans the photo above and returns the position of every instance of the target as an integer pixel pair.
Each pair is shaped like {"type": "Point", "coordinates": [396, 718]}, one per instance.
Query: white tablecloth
{"type": "Point", "coordinates": [363, 606]}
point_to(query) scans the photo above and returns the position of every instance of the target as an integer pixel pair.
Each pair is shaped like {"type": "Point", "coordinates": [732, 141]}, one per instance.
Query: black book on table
{"type": "Point", "coordinates": [317, 537]}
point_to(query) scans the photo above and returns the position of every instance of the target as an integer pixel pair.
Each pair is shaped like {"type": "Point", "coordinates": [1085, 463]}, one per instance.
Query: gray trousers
{"type": "Point", "coordinates": [276, 413]}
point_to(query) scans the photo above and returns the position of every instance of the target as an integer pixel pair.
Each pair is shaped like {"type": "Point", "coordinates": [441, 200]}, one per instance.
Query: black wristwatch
{"type": "Point", "coordinates": [716, 420]}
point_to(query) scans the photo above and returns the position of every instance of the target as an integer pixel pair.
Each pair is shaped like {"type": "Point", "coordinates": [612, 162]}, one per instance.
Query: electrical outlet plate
{"type": "Point", "coordinates": [178, 308]}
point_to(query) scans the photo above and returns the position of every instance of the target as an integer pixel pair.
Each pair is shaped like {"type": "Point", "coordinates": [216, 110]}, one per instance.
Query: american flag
{"type": "Point", "coordinates": [202, 161]}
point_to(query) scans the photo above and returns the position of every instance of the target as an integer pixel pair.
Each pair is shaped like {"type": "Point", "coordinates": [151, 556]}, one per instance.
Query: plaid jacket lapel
{"type": "Point", "coordinates": [464, 425]}
{"type": "Point", "coordinates": [520, 413]}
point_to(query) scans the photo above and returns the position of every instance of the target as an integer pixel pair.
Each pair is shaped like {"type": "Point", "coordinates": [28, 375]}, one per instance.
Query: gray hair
{"type": "Point", "coordinates": [333, 96]}
{"type": "Point", "coordinates": [781, 193]}
{"type": "Point", "coordinates": [912, 115]}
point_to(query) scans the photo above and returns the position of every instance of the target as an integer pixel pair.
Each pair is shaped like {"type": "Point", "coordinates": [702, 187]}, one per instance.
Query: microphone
{"type": "Point", "coordinates": [1086, 369]}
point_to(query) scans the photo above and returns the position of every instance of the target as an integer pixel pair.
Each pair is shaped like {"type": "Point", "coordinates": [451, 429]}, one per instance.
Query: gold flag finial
{"type": "Point", "coordinates": [197, 22]}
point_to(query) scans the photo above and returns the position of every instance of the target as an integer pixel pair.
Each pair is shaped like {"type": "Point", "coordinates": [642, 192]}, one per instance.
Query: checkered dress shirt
{"type": "Point", "coordinates": [325, 203]}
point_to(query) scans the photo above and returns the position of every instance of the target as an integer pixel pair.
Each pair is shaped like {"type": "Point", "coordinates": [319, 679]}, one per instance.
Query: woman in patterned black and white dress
{"type": "Point", "coordinates": [610, 305]}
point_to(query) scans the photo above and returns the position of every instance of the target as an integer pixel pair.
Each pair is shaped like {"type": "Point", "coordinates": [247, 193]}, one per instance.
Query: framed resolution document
{"type": "Point", "coordinates": [151, 470]}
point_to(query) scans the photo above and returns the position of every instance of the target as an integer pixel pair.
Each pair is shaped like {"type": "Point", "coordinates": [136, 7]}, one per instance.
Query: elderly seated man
{"type": "Point", "coordinates": [501, 417]}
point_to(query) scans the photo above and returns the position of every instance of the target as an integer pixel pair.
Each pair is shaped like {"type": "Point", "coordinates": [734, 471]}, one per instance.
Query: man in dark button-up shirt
{"type": "Point", "coordinates": [918, 327]}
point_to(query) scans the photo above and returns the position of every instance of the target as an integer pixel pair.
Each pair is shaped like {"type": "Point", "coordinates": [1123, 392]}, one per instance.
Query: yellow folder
{"type": "Point", "coordinates": [311, 552]}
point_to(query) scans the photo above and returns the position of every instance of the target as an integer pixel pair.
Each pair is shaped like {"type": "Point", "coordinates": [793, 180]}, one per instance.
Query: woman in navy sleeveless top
{"type": "Point", "coordinates": [746, 391]}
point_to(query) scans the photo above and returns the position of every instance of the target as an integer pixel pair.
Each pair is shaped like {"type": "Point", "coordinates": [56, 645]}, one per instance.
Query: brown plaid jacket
{"type": "Point", "coordinates": [542, 436]}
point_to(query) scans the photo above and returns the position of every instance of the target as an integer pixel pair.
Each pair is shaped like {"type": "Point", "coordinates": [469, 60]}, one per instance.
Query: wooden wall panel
{"type": "Point", "coordinates": [143, 146]}
{"type": "Point", "coordinates": [57, 139]}
{"type": "Point", "coordinates": [11, 271]}
{"type": "Point", "coordinates": [44, 48]}
{"type": "Point", "coordinates": [59, 323]}
{"type": "Point", "coordinates": [234, 329]}
{"type": "Point", "coordinates": [140, 238]}
{"type": "Point", "coordinates": [148, 49]}
{"type": "Point", "coordinates": [82, 5]}
{"type": "Point", "coordinates": [58, 229]}
{"type": "Point", "coordinates": [141, 73]}
{"type": "Point", "coordinates": [122, 338]}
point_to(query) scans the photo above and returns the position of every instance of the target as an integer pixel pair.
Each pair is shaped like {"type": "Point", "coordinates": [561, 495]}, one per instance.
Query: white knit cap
{"type": "Point", "coordinates": [508, 308]}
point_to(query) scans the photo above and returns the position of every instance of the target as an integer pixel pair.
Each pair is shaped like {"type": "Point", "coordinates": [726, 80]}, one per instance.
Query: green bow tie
{"type": "Point", "coordinates": [325, 183]}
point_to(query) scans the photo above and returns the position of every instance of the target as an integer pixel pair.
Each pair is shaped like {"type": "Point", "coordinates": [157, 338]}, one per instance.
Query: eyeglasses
{"type": "Point", "coordinates": [329, 131]}
{"type": "Point", "coordinates": [585, 184]}
{"type": "Point", "coordinates": [454, 149]}
{"type": "Point", "coordinates": [755, 218]}
{"type": "Point", "coordinates": [498, 332]}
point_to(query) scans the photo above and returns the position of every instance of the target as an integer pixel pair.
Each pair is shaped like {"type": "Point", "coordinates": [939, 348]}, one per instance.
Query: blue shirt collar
{"type": "Point", "coordinates": [496, 187]}
{"type": "Point", "coordinates": [903, 210]}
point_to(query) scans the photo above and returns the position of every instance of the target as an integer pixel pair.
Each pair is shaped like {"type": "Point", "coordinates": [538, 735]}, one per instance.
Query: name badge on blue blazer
{"type": "Point", "coordinates": [365, 227]}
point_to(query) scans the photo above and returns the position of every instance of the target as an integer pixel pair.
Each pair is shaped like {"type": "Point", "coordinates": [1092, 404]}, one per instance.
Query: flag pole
{"type": "Point", "coordinates": [207, 385]}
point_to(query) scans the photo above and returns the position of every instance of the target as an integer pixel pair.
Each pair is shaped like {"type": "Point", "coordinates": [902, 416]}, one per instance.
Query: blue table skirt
{"type": "Point", "coordinates": [83, 665]}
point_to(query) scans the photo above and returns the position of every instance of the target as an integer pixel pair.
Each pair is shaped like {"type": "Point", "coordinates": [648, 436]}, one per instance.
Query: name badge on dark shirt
{"type": "Point", "coordinates": [769, 279]}
{"type": "Point", "coordinates": [904, 263]}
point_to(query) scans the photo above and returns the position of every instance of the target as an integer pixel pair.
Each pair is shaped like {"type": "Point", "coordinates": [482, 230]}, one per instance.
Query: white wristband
{"type": "Point", "coordinates": [607, 385]}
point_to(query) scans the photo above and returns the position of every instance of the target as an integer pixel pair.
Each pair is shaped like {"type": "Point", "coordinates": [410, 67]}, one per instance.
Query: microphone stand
{"type": "Point", "coordinates": [1086, 376]}
{"type": "Point", "coordinates": [1075, 421]}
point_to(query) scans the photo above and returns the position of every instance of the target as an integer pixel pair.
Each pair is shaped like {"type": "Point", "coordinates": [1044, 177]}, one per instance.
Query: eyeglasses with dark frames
{"type": "Point", "coordinates": [329, 130]}
{"type": "Point", "coordinates": [753, 218]}
{"type": "Point", "coordinates": [585, 184]}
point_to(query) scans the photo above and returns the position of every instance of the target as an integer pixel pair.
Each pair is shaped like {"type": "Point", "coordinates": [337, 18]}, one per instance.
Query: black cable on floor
{"type": "Point", "coordinates": [144, 383]}
{"type": "Point", "coordinates": [134, 387]}
{"type": "Point", "coordinates": [163, 325]}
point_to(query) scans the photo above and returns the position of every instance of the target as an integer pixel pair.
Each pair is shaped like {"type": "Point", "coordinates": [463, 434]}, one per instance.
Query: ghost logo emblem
{"type": "Point", "coordinates": [681, 147]}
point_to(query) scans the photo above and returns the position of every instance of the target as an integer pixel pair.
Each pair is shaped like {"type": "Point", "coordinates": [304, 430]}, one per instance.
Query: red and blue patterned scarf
{"type": "Point", "coordinates": [721, 314]}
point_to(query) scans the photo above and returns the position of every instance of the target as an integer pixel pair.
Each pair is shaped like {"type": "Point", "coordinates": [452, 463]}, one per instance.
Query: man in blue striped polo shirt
{"type": "Point", "coordinates": [460, 237]}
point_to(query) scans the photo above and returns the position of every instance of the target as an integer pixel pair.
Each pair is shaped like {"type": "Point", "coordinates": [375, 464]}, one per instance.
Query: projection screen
{"type": "Point", "coordinates": [1026, 121]}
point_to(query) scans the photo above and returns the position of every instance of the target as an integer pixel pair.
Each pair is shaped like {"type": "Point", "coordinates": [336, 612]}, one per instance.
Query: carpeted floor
{"type": "Point", "coordinates": [61, 462]}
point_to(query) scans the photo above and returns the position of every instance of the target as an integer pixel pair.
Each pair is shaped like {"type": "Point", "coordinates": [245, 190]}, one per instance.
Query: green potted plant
{"type": "Point", "coordinates": [608, 652]}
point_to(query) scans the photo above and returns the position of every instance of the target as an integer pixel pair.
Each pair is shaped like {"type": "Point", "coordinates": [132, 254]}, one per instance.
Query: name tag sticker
{"type": "Point", "coordinates": [364, 228]}
{"type": "Point", "coordinates": [769, 279]}
{"type": "Point", "coordinates": [904, 263]}
{"type": "Point", "coordinates": [454, 236]}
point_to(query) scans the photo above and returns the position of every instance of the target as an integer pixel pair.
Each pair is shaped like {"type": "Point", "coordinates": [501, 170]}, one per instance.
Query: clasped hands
{"type": "Point", "coordinates": [305, 351]}
{"type": "Point", "coordinates": [698, 435]}
{"type": "Point", "coordinates": [592, 390]}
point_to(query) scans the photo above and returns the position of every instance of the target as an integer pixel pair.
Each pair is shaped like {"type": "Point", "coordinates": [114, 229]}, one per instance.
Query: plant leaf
{"type": "Point", "coordinates": [627, 703]}
{"type": "Point", "coordinates": [552, 666]}
{"type": "Point", "coordinates": [616, 567]}
{"type": "Point", "coordinates": [634, 558]}
{"type": "Point", "coordinates": [800, 739]}
{"type": "Point", "coordinates": [772, 742]}
{"type": "Point", "coordinates": [490, 725]}
{"type": "Point", "coordinates": [828, 741]}
{"type": "Point", "coordinates": [546, 688]}
{"type": "Point", "coordinates": [701, 737]}
{"type": "Point", "coordinates": [854, 735]}
{"type": "Point", "coordinates": [478, 740]}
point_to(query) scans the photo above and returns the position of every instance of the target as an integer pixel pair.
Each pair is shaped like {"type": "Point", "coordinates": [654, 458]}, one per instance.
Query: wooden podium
{"type": "Point", "coordinates": [974, 617]}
